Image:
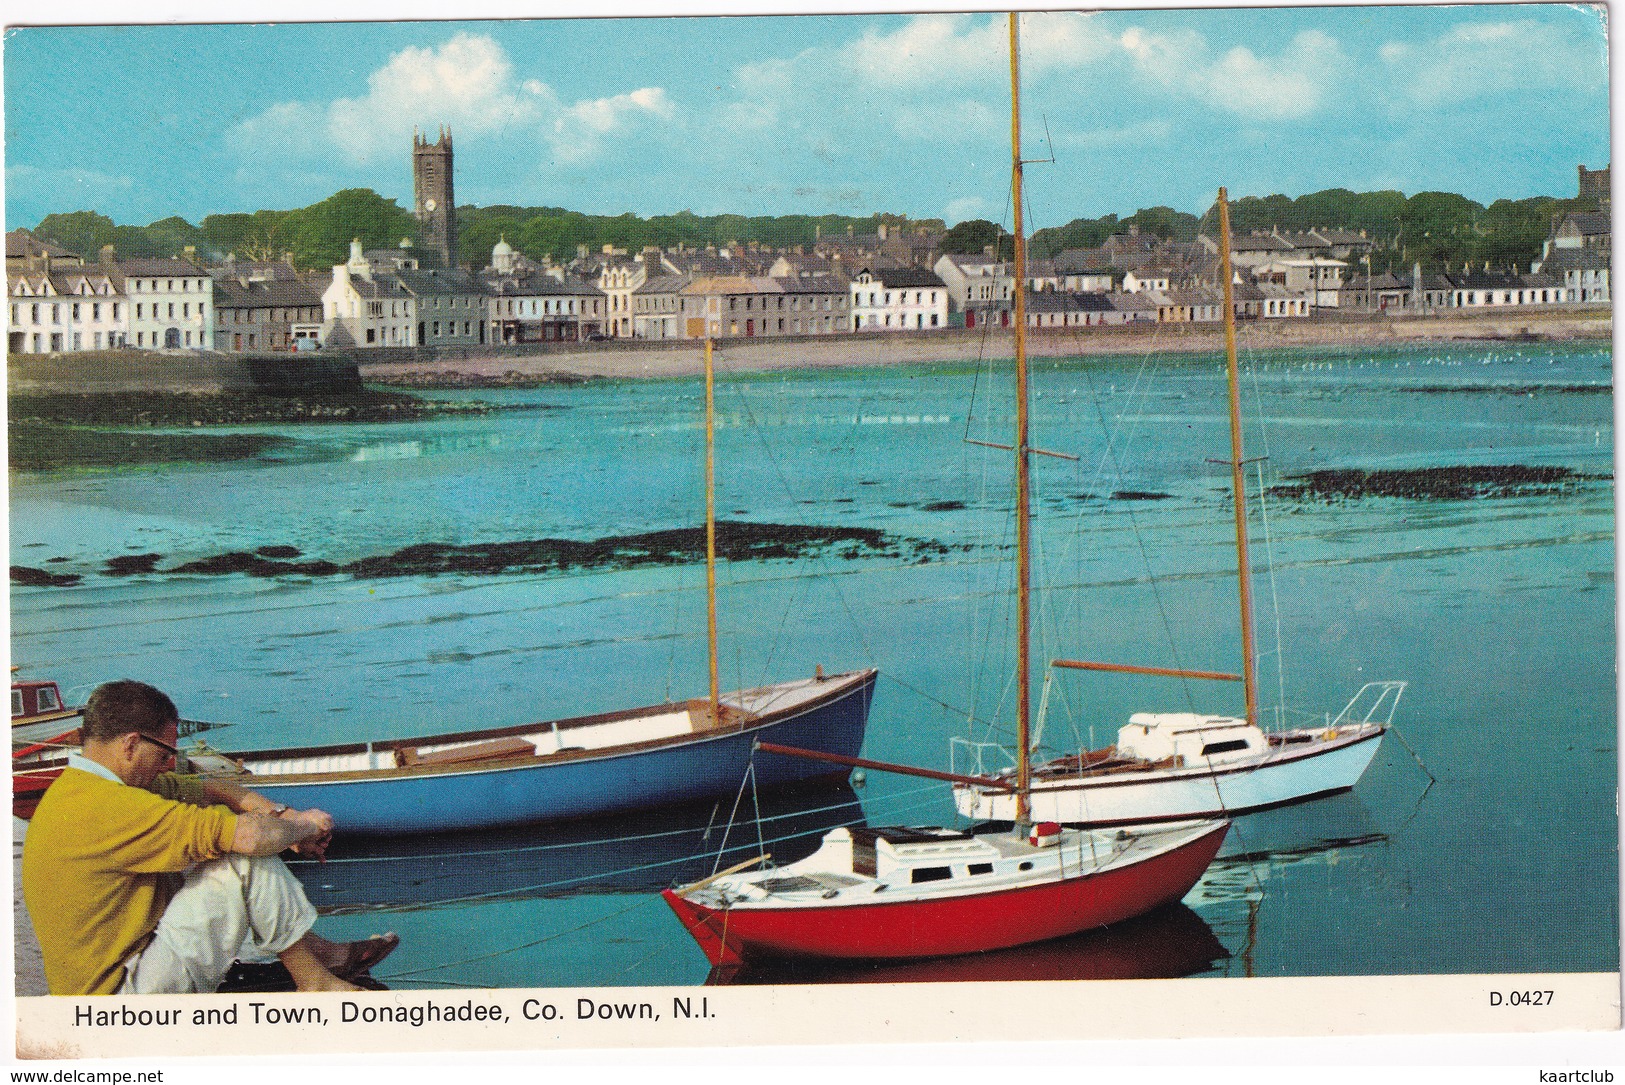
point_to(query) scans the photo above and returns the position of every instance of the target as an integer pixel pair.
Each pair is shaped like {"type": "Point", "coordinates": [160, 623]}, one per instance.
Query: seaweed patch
{"type": "Point", "coordinates": [39, 578]}
{"type": "Point", "coordinates": [736, 541]}
{"type": "Point", "coordinates": [1454, 483]}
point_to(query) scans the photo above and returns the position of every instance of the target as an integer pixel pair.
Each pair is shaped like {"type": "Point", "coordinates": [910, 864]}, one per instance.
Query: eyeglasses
{"type": "Point", "coordinates": [160, 743]}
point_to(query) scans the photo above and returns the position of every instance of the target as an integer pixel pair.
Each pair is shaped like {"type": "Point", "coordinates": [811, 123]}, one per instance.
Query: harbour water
{"type": "Point", "coordinates": [1498, 609]}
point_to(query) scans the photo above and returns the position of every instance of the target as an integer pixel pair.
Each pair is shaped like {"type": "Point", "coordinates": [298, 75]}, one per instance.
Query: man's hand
{"type": "Point", "coordinates": [320, 824]}
{"type": "Point", "coordinates": [306, 831]}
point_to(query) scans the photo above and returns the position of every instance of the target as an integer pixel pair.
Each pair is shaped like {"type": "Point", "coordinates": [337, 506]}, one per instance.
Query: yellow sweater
{"type": "Point", "coordinates": [99, 862]}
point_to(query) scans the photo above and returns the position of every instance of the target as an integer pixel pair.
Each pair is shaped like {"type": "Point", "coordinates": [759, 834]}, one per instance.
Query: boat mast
{"type": "Point", "coordinates": [711, 537]}
{"type": "Point", "coordinates": [1238, 486]}
{"type": "Point", "coordinates": [1023, 511]}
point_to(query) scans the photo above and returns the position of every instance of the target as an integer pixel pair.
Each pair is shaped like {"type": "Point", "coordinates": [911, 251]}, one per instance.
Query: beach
{"type": "Point", "coordinates": [683, 358]}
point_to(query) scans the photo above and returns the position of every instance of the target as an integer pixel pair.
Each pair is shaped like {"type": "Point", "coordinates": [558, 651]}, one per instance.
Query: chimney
{"type": "Point", "coordinates": [106, 255]}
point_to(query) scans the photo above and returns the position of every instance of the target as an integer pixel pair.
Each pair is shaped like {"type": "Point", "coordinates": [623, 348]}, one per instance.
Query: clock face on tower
{"type": "Point", "coordinates": [428, 205]}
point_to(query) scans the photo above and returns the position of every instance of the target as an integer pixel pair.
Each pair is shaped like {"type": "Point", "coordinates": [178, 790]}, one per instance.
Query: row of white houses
{"type": "Point", "coordinates": [382, 298]}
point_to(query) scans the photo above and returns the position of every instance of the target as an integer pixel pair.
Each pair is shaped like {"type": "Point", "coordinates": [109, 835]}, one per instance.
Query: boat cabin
{"type": "Point", "coordinates": [34, 699]}
{"type": "Point", "coordinates": [910, 856]}
{"type": "Point", "coordinates": [1189, 738]}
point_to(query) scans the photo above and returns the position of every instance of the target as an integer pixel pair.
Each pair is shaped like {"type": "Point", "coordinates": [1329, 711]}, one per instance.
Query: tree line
{"type": "Point", "coordinates": [1439, 230]}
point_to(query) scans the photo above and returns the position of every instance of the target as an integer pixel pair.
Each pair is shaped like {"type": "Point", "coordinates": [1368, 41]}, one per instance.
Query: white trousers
{"type": "Point", "coordinates": [228, 908]}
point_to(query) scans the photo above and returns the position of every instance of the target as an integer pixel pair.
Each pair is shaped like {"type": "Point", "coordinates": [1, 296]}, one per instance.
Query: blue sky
{"type": "Point", "coordinates": [778, 114]}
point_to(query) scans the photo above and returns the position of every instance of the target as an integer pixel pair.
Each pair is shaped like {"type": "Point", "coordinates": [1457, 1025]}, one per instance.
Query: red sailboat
{"type": "Point", "coordinates": [926, 891]}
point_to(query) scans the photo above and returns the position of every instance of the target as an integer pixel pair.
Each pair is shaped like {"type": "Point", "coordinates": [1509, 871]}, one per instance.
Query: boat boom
{"type": "Point", "coordinates": [887, 766]}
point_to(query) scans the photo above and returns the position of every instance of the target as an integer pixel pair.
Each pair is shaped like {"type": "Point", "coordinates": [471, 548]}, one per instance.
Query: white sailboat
{"type": "Point", "coordinates": [1168, 766]}
{"type": "Point", "coordinates": [911, 891]}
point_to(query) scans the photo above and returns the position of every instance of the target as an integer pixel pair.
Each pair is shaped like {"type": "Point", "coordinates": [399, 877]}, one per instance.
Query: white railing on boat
{"type": "Point", "coordinates": [976, 757]}
{"type": "Point", "coordinates": [1380, 695]}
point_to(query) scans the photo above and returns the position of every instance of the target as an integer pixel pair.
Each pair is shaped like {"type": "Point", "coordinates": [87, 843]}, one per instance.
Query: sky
{"type": "Point", "coordinates": [849, 114]}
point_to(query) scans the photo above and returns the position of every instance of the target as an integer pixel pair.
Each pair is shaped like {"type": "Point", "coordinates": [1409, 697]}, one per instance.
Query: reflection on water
{"type": "Point", "coordinates": [1168, 943]}
{"type": "Point", "coordinates": [638, 853]}
{"type": "Point", "coordinates": [1499, 612]}
{"type": "Point", "coordinates": [421, 447]}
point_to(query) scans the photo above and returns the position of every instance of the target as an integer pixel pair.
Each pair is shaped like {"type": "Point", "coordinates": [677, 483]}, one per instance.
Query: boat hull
{"type": "Point", "coordinates": [708, 765]}
{"type": "Point", "coordinates": [961, 923]}
{"type": "Point", "coordinates": [1177, 795]}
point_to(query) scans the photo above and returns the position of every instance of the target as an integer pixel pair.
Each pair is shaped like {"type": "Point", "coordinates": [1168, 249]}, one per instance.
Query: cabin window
{"type": "Point", "coordinates": [1224, 747]}
{"type": "Point", "coordinates": [980, 868]}
{"type": "Point", "coordinates": [16, 703]}
{"type": "Point", "coordinates": [930, 874]}
{"type": "Point", "coordinates": [48, 701]}
{"type": "Point", "coordinates": [1025, 866]}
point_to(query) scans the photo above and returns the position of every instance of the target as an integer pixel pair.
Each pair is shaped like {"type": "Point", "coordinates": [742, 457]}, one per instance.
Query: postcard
{"type": "Point", "coordinates": [752, 530]}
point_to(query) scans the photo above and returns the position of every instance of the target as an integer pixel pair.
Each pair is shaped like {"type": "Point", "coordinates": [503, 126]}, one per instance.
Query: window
{"type": "Point", "coordinates": [16, 703]}
{"type": "Point", "coordinates": [980, 868]}
{"type": "Point", "coordinates": [75, 311]}
{"type": "Point", "coordinates": [1226, 746]}
{"type": "Point", "coordinates": [930, 874]}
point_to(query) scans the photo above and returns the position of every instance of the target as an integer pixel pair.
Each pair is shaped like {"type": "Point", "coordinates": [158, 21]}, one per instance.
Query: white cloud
{"type": "Point", "coordinates": [579, 130]}
{"type": "Point", "coordinates": [1294, 83]}
{"type": "Point", "coordinates": [939, 50]}
{"type": "Point", "coordinates": [1138, 134]}
{"type": "Point", "coordinates": [968, 207]}
{"type": "Point", "coordinates": [1474, 60]}
{"type": "Point", "coordinates": [65, 187]}
{"type": "Point", "coordinates": [467, 83]}
{"type": "Point", "coordinates": [930, 50]}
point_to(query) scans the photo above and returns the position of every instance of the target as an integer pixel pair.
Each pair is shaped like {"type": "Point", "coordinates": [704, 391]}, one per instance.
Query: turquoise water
{"type": "Point", "coordinates": [1499, 612]}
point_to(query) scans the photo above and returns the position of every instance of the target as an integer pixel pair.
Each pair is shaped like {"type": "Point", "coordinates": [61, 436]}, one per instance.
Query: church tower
{"type": "Point", "coordinates": [436, 207]}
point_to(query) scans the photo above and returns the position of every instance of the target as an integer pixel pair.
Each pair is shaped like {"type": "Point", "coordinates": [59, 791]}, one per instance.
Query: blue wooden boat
{"type": "Point", "coordinates": [571, 768]}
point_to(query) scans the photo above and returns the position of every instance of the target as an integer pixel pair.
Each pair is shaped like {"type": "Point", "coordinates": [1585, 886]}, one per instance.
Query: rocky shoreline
{"type": "Point", "coordinates": [56, 430]}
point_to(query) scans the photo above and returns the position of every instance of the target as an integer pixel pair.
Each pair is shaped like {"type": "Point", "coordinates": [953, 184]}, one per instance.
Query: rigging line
{"type": "Point", "coordinates": [784, 484]}
{"type": "Point", "coordinates": [523, 891]}
{"type": "Point", "coordinates": [642, 902]}
{"type": "Point", "coordinates": [1269, 540]}
{"type": "Point", "coordinates": [756, 803]}
{"type": "Point", "coordinates": [537, 848]}
{"type": "Point", "coordinates": [750, 774]}
{"type": "Point", "coordinates": [806, 560]}
{"type": "Point", "coordinates": [987, 325]}
{"type": "Point", "coordinates": [968, 713]}
{"type": "Point", "coordinates": [1145, 557]}
{"type": "Point", "coordinates": [990, 580]}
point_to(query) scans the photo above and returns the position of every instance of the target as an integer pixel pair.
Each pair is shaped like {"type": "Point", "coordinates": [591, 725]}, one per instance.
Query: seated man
{"type": "Point", "coordinates": [140, 881]}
